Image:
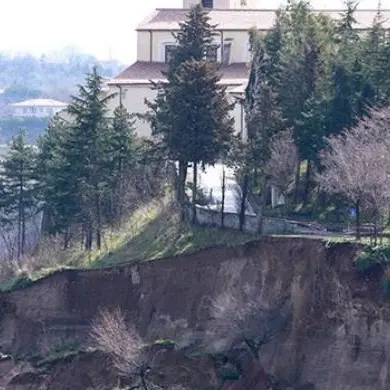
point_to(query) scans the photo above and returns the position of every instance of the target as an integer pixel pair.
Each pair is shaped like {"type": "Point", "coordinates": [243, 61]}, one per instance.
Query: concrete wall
{"type": "Point", "coordinates": [207, 217]}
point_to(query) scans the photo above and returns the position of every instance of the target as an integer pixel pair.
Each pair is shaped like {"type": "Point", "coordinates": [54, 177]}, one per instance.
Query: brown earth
{"type": "Point", "coordinates": [338, 337]}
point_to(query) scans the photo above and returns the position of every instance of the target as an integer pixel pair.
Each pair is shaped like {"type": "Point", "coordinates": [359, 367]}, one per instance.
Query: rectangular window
{"type": "Point", "coordinates": [168, 52]}
{"type": "Point", "coordinates": [208, 3]}
{"type": "Point", "coordinates": [212, 53]}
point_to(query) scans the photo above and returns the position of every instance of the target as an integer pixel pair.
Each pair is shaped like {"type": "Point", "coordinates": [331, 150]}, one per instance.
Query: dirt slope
{"type": "Point", "coordinates": [338, 336]}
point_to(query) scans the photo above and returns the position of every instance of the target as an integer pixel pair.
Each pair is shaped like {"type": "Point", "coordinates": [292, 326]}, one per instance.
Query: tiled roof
{"type": "Point", "coordinates": [143, 71]}
{"type": "Point", "coordinates": [40, 103]}
{"type": "Point", "coordinates": [236, 19]}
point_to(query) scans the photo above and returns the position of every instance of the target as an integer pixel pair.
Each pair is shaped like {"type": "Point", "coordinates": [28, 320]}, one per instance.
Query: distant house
{"type": "Point", "coordinates": [37, 108]}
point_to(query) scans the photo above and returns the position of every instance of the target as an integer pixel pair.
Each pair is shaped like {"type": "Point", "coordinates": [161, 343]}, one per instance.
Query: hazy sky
{"type": "Point", "coordinates": [94, 26]}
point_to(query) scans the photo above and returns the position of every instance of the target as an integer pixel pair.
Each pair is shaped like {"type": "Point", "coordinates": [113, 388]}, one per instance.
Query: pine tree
{"type": "Point", "coordinates": [121, 148]}
{"type": "Point", "coordinates": [190, 115]}
{"type": "Point", "coordinates": [58, 184]}
{"type": "Point", "coordinates": [19, 200]}
{"type": "Point", "coordinates": [85, 152]}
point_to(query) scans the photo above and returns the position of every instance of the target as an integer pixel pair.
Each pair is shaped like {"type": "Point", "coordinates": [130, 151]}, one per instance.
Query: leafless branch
{"type": "Point", "coordinates": [120, 341]}
{"type": "Point", "coordinates": [357, 162]}
{"type": "Point", "coordinates": [283, 160]}
{"type": "Point", "coordinates": [246, 320]}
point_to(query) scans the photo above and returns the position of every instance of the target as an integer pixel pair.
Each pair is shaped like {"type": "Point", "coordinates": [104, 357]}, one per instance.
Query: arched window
{"type": "Point", "coordinates": [208, 3]}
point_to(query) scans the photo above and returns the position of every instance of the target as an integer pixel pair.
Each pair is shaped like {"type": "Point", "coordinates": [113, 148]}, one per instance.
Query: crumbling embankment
{"type": "Point", "coordinates": [338, 336]}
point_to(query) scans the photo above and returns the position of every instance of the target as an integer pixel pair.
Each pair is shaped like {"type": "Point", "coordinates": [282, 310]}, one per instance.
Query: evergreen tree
{"type": "Point", "coordinates": [19, 201]}
{"type": "Point", "coordinates": [121, 148]}
{"type": "Point", "coordinates": [190, 115]}
{"type": "Point", "coordinates": [85, 152]}
{"type": "Point", "coordinates": [58, 184]}
{"type": "Point", "coordinates": [263, 120]}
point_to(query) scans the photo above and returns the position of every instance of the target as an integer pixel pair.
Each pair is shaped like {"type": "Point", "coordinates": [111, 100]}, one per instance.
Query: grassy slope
{"type": "Point", "coordinates": [155, 231]}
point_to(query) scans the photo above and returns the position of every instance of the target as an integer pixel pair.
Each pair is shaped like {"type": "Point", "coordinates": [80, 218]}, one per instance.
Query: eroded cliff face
{"type": "Point", "coordinates": [338, 335]}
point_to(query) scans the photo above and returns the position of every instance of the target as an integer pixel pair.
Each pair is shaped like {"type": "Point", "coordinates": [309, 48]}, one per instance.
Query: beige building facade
{"type": "Point", "coordinates": [233, 18]}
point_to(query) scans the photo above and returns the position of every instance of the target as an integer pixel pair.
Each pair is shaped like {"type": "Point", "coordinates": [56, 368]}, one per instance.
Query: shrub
{"type": "Point", "coordinates": [372, 257]}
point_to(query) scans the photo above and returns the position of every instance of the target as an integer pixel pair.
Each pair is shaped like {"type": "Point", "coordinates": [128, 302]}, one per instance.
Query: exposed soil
{"type": "Point", "coordinates": [338, 336]}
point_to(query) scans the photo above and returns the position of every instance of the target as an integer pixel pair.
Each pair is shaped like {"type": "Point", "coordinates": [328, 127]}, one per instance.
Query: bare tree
{"type": "Point", "coordinates": [357, 165]}
{"type": "Point", "coordinates": [283, 160]}
{"type": "Point", "coordinates": [123, 344]}
{"type": "Point", "coordinates": [246, 320]}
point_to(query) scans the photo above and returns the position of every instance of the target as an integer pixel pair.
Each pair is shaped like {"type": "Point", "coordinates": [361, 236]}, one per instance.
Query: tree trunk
{"type": "Point", "coordinates": [23, 246]}
{"type": "Point", "coordinates": [223, 198]}
{"type": "Point", "coordinates": [296, 184]}
{"type": "Point", "coordinates": [119, 207]}
{"type": "Point", "coordinates": [307, 181]}
{"type": "Point", "coordinates": [19, 233]}
{"type": "Point", "coordinates": [253, 348]}
{"type": "Point", "coordinates": [20, 212]}
{"type": "Point", "coordinates": [194, 191]}
{"type": "Point", "coordinates": [143, 381]}
{"type": "Point", "coordinates": [358, 220]}
{"type": "Point", "coordinates": [260, 211]}
{"type": "Point", "coordinates": [98, 219]}
{"type": "Point", "coordinates": [181, 188]}
{"type": "Point", "coordinates": [66, 238]}
{"type": "Point", "coordinates": [245, 188]}
{"type": "Point", "coordinates": [88, 236]}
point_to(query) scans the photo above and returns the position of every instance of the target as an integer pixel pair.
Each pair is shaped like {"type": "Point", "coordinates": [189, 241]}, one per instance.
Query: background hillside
{"type": "Point", "coordinates": [54, 75]}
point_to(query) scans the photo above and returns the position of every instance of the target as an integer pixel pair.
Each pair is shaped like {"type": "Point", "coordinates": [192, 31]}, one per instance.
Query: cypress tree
{"type": "Point", "coordinates": [191, 113]}
{"type": "Point", "coordinates": [85, 152]}
{"type": "Point", "coordinates": [121, 150]}
{"type": "Point", "coordinates": [19, 187]}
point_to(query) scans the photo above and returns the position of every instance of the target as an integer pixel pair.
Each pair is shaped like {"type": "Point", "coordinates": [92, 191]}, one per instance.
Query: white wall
{"type": "Point", "coordinates": [224, 4]}
{"type": "Point", "coordinates": [190, 3]}
{"type": "Point", "coordinates": [143, 45]}
{"type": "Point", "coordinates": [248, 4]}
{"type": "Point", "coordinates": [133, 97]}
{"type": "Point", "coordinates": [37, 112]}
{"type": "Point", "coordinates": [240, 45]}
{"type": "Point", "coordinates": [218, 4]}
{"type": "Point", "coordinates": [239, 41]}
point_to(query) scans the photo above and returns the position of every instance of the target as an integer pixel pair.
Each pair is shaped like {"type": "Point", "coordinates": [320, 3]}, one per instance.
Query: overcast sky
{"type": "Point", "coordinates": [96, 27]}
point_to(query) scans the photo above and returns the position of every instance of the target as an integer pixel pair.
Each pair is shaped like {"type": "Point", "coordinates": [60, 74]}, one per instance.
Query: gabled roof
{"type": "Point", "coordinates": [168, 19]}
{"type": "Point", "coordinates": [141, 72]}
{"type": "Point", "coordinates": [40, 103]}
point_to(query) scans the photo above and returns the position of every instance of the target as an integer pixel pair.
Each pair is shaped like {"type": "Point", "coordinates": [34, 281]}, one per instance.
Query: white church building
{"type": "Point", "coordinates": [233, 18]}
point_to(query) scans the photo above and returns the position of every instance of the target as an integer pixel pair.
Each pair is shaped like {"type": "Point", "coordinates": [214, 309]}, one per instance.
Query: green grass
{"type": "Point", "coordinates": [153, 232]}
